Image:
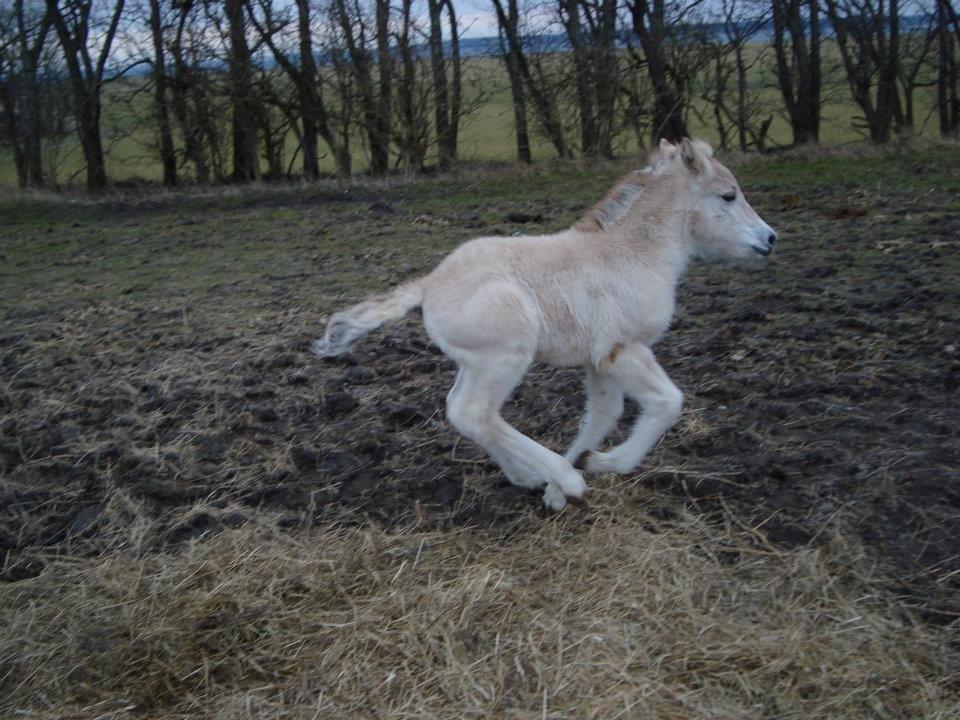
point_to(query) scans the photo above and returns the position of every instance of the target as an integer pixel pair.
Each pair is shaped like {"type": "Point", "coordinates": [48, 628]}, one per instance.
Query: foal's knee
{"type": "Point", "coordinates": [668, 404]}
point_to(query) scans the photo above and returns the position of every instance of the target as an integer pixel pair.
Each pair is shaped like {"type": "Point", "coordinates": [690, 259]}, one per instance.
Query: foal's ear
{"type": "Point", "coordinates": [666, 144]}
{"type": "Point", "coordinates": [694, 156]}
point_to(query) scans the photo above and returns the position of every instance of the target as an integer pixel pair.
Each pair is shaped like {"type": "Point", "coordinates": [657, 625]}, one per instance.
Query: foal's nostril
{"type": "Point", "coordinates": [772, 238]}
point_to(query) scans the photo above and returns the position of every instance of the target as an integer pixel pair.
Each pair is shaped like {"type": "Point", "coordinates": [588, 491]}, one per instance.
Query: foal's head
{"type": "Point", "coordinates": [721, 222]}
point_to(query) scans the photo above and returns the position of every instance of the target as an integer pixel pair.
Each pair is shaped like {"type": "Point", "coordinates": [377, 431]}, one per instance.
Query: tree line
{"type": "Point", "coordinates": [231, 81]}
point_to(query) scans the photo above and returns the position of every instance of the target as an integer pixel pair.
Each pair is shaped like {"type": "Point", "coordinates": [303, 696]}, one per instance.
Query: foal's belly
{"type": "Point", "coordinates": [567, 340]}
{"type": "Point", "coordinates": [559, 355]}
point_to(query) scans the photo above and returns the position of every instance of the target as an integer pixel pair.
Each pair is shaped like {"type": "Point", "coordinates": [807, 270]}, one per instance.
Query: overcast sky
{"type": "Point", "coordinates": [476, 18]}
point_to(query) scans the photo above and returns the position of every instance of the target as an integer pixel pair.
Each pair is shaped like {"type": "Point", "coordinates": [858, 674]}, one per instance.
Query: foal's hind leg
{"type": "Point", "coordinates": [604, 407]}
{"type": "Point", "coordinates": [473, 407]}
{"type": "Point", "coordinates": [644, 380]}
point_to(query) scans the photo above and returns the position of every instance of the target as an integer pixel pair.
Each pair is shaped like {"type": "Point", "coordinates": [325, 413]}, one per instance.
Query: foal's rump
{"type": "Point", "coordinates": [481, 318]}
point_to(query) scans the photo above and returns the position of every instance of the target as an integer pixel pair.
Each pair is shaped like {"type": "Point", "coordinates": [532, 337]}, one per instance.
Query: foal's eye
{"type": "Point", "coordinates": [730, 196]}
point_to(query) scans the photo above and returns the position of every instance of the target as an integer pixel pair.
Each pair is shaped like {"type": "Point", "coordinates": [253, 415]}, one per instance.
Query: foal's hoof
{"type": "Point", "coordinates": [580, 463]}
{"type": "Point", "coordinates": [553, 499]}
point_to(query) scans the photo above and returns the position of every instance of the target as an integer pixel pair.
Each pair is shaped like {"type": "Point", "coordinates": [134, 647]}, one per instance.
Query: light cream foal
{"type": "Point", "coordinates": [598, 295]}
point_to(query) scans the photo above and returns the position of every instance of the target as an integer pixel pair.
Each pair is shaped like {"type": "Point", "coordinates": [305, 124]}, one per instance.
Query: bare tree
{"type": "Point", "coordinates": [591, 31]}
{"type": "Point", "coordinates": [868, 36]}
{"type": "Point", "coordinates": [456, 80]}
{"type": "Point", "coordinates": [508, 26]}
{"type": "Point", "coordinates": [86, 57]}
{"type": "Point", "coordinates": [9, 100]}
{"type": "Point", "coordinates": [273, 26]}
{"type": "Point", "coordinates": [544, 101]}
{"type": "Point", "coordinates": [168, 156]}
{"type": "Point", "coordinates": [374, 99]}
{"type": "Point", "coordinates": [447, 100]}
{"type": "Point", "coordinates": [380, 149]}
{"type": "Point", "coordinates": [392, 76]}
{"type": "Point", "coordinates": [663, 32]}
{"type": "Point", "coordinates": [243, 104]}
{"type": "Point", "coordinates": [948, 102]}
{"type": "Point", "coordinates": [517, 90]}
{"type": "Point", "coordinates": [796, 44]}
{"type": "Point", "coordinates": [23, 36]}
{"type": "Point", "coordinates": [274, 119]}
{"type": "Point", "coordinates": [343, 111]}
{"type": "Point", "coordinates": [635, 88]}
{"type": "Point", "coordinates": [735, 54]}
{"type": "Point", "coordinates": [192, 97]}
{"type": "Point", "coordinates": [412, 126]}
{"type": "Point", "coordinates": [915, 47]}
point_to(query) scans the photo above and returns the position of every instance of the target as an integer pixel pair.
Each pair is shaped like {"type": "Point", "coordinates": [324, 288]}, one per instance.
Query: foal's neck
{"type": "Point", "coordinates": [643, 220]}
{"type": "Point", "coordinates": [654, 231]}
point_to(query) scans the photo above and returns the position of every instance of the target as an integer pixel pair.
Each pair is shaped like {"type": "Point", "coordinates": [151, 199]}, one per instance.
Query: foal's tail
{"type": "Point", "coordinates": [346, 327]}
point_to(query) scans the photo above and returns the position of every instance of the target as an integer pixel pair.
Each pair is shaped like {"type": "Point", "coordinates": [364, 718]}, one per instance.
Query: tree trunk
{"type": "Point", "coordinates": [87, 112]}
{"type": "Point", "coordinates": [12, 131]}
{"type": "Point", "coordinates": [308, 109]}
{"type": "Point", "coordinates": [243, 106]}
{"type": "Point", "coordinates": [799, 71]}
{"type": "Point", "coordinates": [519, 108]}
{"type": "Point", "coordinates": [32, 118]}
{"type": "Point", "coordinates": [380, 142]}
{"type": "Point", "coordinates": [411, 149]}
{"type": "Point", "coordinates": [889, 111]}
{"type": "Point", "coordinates": [607, 75]}
{"type": "Point", "coordinates": [720, 88]}
{"type": "Point", "coordinates": [517, 92]}
{"type": "Point", "coordinates": [308, 144]}
{"type": "Point", "coordinates": [542, 103]}
{"type": "Point", "coordinates": [570, 16]}
{"type": "Point", "coordinates": [456, 86]}
{"type": "Point", "coordinates": [440, 97]}
{"type": "Point", "coordinates": [947, 105]}
{"type": "Point", "coordinates": [33, 123]}
{"type": "Point", "coordinates": [86, 81]}
{"type": "Point", "coordinates": [742, 119]}
{"type": "Point", "coordinates": [179, 88]}
{"type": "Point", "coordinates": [168, 155]}
{"type": "Point", "coordinates": [649, 27]}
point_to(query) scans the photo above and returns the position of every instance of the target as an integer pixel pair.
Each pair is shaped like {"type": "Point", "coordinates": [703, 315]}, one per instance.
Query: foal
{"type": "Point", "coordinates": [598, 295]}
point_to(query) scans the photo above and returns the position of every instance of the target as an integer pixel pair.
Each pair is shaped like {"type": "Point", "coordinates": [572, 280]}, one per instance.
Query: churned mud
{"type": "Point", "coordinates": [821, 399]}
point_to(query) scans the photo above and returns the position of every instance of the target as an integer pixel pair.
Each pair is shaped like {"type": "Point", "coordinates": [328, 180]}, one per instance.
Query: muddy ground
{"type": "Point", "coordinates": [821, 389]}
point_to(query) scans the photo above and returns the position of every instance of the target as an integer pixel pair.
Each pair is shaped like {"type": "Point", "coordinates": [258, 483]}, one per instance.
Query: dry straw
{"type": "Point", "coordinates": [597, 614]}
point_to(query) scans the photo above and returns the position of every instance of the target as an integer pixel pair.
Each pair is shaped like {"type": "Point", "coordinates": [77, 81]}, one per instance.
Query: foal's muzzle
{"type": "Point", "coordinates": [765, 246]}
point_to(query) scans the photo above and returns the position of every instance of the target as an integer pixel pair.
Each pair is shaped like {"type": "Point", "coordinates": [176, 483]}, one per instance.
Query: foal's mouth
{"type": "Point", "coordinates": [760, 250]}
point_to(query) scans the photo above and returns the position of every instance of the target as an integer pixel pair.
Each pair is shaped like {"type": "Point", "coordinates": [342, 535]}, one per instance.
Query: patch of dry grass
{"type": "Point", "coordinates": [596, 614]}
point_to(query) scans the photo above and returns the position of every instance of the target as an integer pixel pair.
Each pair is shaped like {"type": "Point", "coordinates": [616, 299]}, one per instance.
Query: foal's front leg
{"type": "Point", "coordinates": [636, 370]}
